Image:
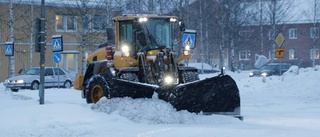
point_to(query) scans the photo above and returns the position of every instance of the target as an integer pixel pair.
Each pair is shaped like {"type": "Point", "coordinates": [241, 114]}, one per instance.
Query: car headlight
{"type": "Point", "coordinates": [20, 81]}
{"type": "Point", "coordinates": [251, 74]}
{"type": "Point", "coordinates": [125, 51]}
{"type": "Point", "coordinates": [264, 74]}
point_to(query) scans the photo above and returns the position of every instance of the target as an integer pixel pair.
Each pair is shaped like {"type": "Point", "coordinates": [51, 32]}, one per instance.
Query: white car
{"type": "Point", "coordinates": [54, 77]}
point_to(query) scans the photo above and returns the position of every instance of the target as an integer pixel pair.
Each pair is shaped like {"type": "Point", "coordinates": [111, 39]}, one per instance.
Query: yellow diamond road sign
{"type": "Point", "coordinates": [280, 39]}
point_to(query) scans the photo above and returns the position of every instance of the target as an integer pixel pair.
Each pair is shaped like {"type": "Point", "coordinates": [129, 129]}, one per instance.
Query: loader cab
{"type": "Point", "coordinates": [144, 33]}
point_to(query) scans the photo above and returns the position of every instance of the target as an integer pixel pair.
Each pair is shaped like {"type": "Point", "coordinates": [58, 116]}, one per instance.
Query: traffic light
{"type": "Point", "coordinates": [39, 33]}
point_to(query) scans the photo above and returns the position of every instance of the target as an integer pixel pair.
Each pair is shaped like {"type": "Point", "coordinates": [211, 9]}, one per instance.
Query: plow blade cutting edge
{"type": "Point", "coordinates": [216, 95]}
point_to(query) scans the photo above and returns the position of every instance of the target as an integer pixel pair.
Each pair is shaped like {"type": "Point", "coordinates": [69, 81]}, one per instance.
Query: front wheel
{"type": "Point", "coordinates": [34, 85]}
{"type": "Point", "coordinates": [189, 76]}
{"type": "Point", "coordinates": [97, 88]}
{"type": "Point", "coordinates": [67, 84]}
{"type": "Point", "coordinates": [14, 90]}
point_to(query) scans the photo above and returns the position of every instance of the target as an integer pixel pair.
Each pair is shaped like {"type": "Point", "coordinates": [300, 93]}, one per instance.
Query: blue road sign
{"type": "Point", "coordinates": [57, 57]}
{"type": "Point", "coordinates": [189, 38]}
{"type": "Point", "coordinates": [57, 43]}
{"type": "Point", "coordinates": [9, 49]}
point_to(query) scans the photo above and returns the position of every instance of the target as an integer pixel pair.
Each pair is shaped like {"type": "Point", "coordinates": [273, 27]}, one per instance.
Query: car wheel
{"type": "Point", "coordinates": [34, 85]}
{"type": "Point", "coordinates": [14, 90]}
{"type": "Point", "coordinates": [67, 84]}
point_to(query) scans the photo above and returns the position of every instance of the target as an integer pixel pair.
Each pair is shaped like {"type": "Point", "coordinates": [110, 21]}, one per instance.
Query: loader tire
{"type": "Point", "coordinates": [97, 88]}
{"type": "Point", "coordinates": [189, 76]}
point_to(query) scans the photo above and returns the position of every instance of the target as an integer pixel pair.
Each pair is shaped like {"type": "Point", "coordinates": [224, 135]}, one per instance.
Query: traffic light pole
{"type": "Point", "coordinates": [42, 44]}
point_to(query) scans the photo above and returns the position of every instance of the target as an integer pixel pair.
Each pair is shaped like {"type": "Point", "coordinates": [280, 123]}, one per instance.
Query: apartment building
{"type": "Point", "coordinates": [300, 44]}
{"type": "Point", "coordinates": [65, 20]}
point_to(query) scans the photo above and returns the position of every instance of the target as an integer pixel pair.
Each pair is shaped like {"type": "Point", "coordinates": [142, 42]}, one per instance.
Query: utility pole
{"type": "Point", "coordinates": [42, 50]}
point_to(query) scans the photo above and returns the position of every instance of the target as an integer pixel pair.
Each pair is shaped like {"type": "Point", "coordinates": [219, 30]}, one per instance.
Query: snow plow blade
{"type": "Point", "coordinates": [216, 95]}
{"type": "Point", "coordinates": [124, 88]}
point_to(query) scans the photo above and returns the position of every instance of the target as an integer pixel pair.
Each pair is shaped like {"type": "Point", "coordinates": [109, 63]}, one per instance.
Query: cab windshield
{"type": "Point", "coordinates": [157, 33]}
{"type": "Point", "coordinates": [154, 33]}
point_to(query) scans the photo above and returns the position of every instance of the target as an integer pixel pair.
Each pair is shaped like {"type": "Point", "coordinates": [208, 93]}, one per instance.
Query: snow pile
{"type": "Point", "coordinates": [296, 83]}
{"type": "Point", "coordinates": [293, 71]}
{"type": "Point", "coordinates": [152, 111]}
{"type": "Point", "coordinates": [139, 110]}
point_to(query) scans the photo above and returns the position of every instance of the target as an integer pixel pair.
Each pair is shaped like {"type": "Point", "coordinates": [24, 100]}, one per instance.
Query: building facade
{"type": "Point", "coordinates": [301, 44]}
{"type": "Point", "coordinates": [60, 20]}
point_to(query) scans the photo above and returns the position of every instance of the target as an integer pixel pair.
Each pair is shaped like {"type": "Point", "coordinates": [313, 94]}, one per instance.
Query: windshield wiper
{"type": "Point", "coordinates": [151, 37]}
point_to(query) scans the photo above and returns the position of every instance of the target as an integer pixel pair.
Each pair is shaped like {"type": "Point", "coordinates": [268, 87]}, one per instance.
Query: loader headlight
{"type": "Point", "coordinates": [143, 19]}
{"type": "Point", "coordinates": [173, 19]}
{"type": "Point", "coordinates": [168, 80]}
{"type": "Point", "coordinates": [125, 51]}
{"type": "Point", "coordinates": [186, 50]}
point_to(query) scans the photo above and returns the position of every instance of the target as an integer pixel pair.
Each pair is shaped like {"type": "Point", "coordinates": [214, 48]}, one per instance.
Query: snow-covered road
{"type": "Point", "coordinates": [272, 107]}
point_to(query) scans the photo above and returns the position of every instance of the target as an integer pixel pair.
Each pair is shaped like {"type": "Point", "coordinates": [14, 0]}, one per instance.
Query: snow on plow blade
{"type": "Point", "coordinates": [218, 95]}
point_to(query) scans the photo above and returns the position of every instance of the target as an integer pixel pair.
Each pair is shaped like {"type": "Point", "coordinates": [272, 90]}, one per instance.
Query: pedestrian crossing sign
{"type": "Point", "coordinates": [9, 49]}
{"type": "Point", "coordinates": [57, 43]}
{"type": "Point", "coordinates": [189, 38]}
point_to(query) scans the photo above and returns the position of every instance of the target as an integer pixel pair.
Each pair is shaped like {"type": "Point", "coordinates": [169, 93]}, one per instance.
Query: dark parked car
{"type": "Point", "coordinates": [54, 77]}
{"type": "Point", "coordinates": [271, 69]}
{"type": "Point", "coordinates": [203, 67]}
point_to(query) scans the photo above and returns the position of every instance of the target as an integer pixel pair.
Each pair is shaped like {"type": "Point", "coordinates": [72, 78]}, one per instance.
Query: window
{"type": "Point", "coordinates": [66, 23]}
{"type": "Point", "coordinates": [59, 22]}
{"type": "Point", "coordinates": [244, 35]}
{"type": "Point", "coordinates": [71, 20]}
{"type": "Point", "coordinates": [314, 32]}
{"type": "Point", "coordinates": [292, 54]}
{"type": "Point", "coordinates": [244, 55]}
{"type": "Point", "coordinates": [126, 32]}
{"type": "Point", "coordinates": [314, 54]}
{"type": "Point", "coordinates": [48, 72]}
{"type": "Point", "coordinates": [96, 22]}
{"type": "Point", "coordinates": [58, 71]}
{"type": "Point", "coordinates": [293, 33]}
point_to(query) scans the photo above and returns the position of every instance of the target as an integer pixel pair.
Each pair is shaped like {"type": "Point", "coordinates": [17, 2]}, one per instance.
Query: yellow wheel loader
{"type": "Point", "coordinates": [142, 62]}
